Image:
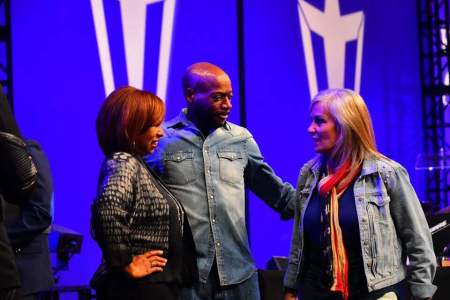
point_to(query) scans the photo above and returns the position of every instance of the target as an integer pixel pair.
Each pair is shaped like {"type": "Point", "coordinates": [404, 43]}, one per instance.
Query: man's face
{"type": "Point", "coordinates": [211, 101]}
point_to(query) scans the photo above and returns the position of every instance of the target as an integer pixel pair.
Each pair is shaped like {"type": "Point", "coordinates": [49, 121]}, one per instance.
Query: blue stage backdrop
{"type": "Point", "coordinates": [67, 55]}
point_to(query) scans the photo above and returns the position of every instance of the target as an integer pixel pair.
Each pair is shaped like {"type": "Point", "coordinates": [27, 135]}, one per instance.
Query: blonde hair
{"type": "Point", "coordinates": [356, 138]}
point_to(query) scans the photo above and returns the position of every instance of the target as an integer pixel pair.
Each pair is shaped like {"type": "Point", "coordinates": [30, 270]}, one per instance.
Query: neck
{"type": "Point", "coordinates": [329, 162]}
{"type": "Point", "coordinates": [204, 126]}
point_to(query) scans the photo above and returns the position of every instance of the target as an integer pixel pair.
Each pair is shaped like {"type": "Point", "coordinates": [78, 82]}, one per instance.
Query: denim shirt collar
{"type": "Point", "coordinates": [182, 121]}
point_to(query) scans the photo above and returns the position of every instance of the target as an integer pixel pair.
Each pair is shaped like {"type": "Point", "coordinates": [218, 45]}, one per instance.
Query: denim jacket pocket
{"type": "Point", "coordinates": [382, 235]}
{"type": "Point", "coordinates": [231, 166]}
{"type": "Point", "coordinates": [179, 168]}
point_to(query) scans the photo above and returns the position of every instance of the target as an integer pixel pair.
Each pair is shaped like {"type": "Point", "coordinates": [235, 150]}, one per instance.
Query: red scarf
{"type": "Point", "coordinates": [334, 185]}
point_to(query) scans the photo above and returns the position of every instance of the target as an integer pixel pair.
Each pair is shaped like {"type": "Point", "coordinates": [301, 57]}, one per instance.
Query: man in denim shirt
{"type": "Point", "coordinates": [207, 163]}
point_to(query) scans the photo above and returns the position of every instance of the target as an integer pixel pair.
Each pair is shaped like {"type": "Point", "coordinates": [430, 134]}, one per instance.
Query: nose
{"type": "Point", "coordinates": [160, 132]}
{"type": "Point", "coordinates": [226, 103]}
{"type": "Point", "coordinates": [311, 128]}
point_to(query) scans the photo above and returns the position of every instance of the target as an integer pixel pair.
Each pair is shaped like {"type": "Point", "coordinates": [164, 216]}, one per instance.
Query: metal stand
{"type": "Point", "coordinates": [434, 22]}
{"type": "Point", "coordinates": [6, 50]}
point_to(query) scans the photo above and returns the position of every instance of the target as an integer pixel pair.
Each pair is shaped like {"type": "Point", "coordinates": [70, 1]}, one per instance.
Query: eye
{"type": "Point", "coordinates": [221, 96]}
{"type": "Point", "coordinates": [218, 97]}
{"type": "Point", "coordinates": [319, 120]}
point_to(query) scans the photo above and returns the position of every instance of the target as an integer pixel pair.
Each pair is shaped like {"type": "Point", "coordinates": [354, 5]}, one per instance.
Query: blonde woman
{"type": "Point", "coordinates": [357, 215]}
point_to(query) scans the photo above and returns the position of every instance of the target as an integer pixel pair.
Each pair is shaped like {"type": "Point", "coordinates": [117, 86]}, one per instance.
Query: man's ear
{"type": "Point", "coordinates": [189, 95]}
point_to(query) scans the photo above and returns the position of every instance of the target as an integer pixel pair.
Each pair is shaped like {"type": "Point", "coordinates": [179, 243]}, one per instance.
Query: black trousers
{"type": "Point", "coordinates": [313, 288]}
{"type": "Point", "coordinates": [9, 294]}
{"type": "Point", "coordinates": [130, 289]}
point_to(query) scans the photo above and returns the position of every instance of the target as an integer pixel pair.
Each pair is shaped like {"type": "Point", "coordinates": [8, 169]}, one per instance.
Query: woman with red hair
{"type": "Point", "coordinates": [139, 225]}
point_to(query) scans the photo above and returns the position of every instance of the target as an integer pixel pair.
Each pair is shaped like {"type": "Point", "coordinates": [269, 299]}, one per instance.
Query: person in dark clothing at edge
{"type": "Point", "coordinates": [17, 182]}
{"type": "Point", "coordinates": [28, 227]}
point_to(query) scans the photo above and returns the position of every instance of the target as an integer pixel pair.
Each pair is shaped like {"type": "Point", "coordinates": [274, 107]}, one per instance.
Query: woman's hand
{"type": "Point", "coordinates": [146, 264]}
{"type": "Point", "coordinates": [290, 296]}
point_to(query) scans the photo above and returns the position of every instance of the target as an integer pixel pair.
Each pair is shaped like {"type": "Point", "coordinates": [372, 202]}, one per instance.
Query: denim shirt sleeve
{"type": "Point", "coordinates": [263, 181]}
{"type": "Point", "coordinates": [413, 230]}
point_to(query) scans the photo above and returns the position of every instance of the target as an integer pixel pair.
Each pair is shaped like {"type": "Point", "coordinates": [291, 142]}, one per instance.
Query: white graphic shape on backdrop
{"type": "Point", "coordinates": [336, 30]}
{"type": "Point", "coordinates": [134, 19]}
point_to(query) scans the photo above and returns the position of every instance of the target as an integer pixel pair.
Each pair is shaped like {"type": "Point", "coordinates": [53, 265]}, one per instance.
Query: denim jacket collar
{"type": "Point", "coordinates": [369, 166]}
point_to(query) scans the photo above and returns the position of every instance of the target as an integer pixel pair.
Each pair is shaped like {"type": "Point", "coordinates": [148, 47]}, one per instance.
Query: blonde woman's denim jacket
{"type": "Point", "coordinates": [392, 227]}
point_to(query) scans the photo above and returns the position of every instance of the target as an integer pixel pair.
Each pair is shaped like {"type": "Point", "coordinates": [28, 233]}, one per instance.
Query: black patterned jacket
{"type": "Point", "coordinates": [133, 213]}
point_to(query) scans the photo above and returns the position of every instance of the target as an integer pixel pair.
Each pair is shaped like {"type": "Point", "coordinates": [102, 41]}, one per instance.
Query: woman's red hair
{"type": "Point", "coordinates": [127, 113]}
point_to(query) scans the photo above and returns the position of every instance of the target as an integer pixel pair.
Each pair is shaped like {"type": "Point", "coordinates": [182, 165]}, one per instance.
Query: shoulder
{"type": "Point", "coordinates": [388, 166]}
{"type": "Point", "coordinates": [308, 166]}
{"type": "Point", "coordinates": [390, 171]}
{"type": "Point", "coordinates": [121, 161]}
{"type": "Point", "coordinates": [237, 130]}
{"type": "Point", "coordinates": [306, 172]}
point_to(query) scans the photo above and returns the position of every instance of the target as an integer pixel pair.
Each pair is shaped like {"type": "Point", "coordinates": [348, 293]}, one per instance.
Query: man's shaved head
{"type": "Point", "coordinates": [199, 75]}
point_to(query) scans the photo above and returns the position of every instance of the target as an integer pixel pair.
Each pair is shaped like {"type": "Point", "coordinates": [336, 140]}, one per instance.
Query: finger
{"type": "Point", "coordinates": [151, 253]}
{"type": "Point", "coordinates": [158, 259]}
{"type": "Point", "coordinates": [157, 264]}
{"type": "Point", "coordinates": [156, 269]}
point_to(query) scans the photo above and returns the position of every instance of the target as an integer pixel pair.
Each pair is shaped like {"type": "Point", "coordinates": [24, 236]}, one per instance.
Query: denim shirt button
{"type": "Point", "coordinates": [211, 196]}
{"type": "Point", "coordinates": [214, 220]}
{"type": "Point", "coordinates": [218, 244]}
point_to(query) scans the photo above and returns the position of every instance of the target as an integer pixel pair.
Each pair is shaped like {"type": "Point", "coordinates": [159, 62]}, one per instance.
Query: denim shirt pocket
{"type": "Point", "coordinates": [382, 234]}
{"type": "Point", "coordinates": [179, 168]}
{"type": "Point", "coordinates": [231, 166]}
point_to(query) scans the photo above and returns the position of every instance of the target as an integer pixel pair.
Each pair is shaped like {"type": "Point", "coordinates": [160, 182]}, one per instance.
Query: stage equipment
{"type": "Point", "coordinates": [5, 55]}
{"type": "Point", "coordinates": [440, 231]}
{"type": "Point", "coordinates": [434, 22]}
{"type": "Point", "coordinates": [278, 263]}
{"type": "Point", "coordinates": [65, 243]}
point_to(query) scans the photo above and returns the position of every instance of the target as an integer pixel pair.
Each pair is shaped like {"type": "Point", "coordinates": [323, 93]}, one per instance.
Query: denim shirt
{"type": "Point", "coordinates": [392, 227]}
{"type": "Point", "coordinates": [209, 176]}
